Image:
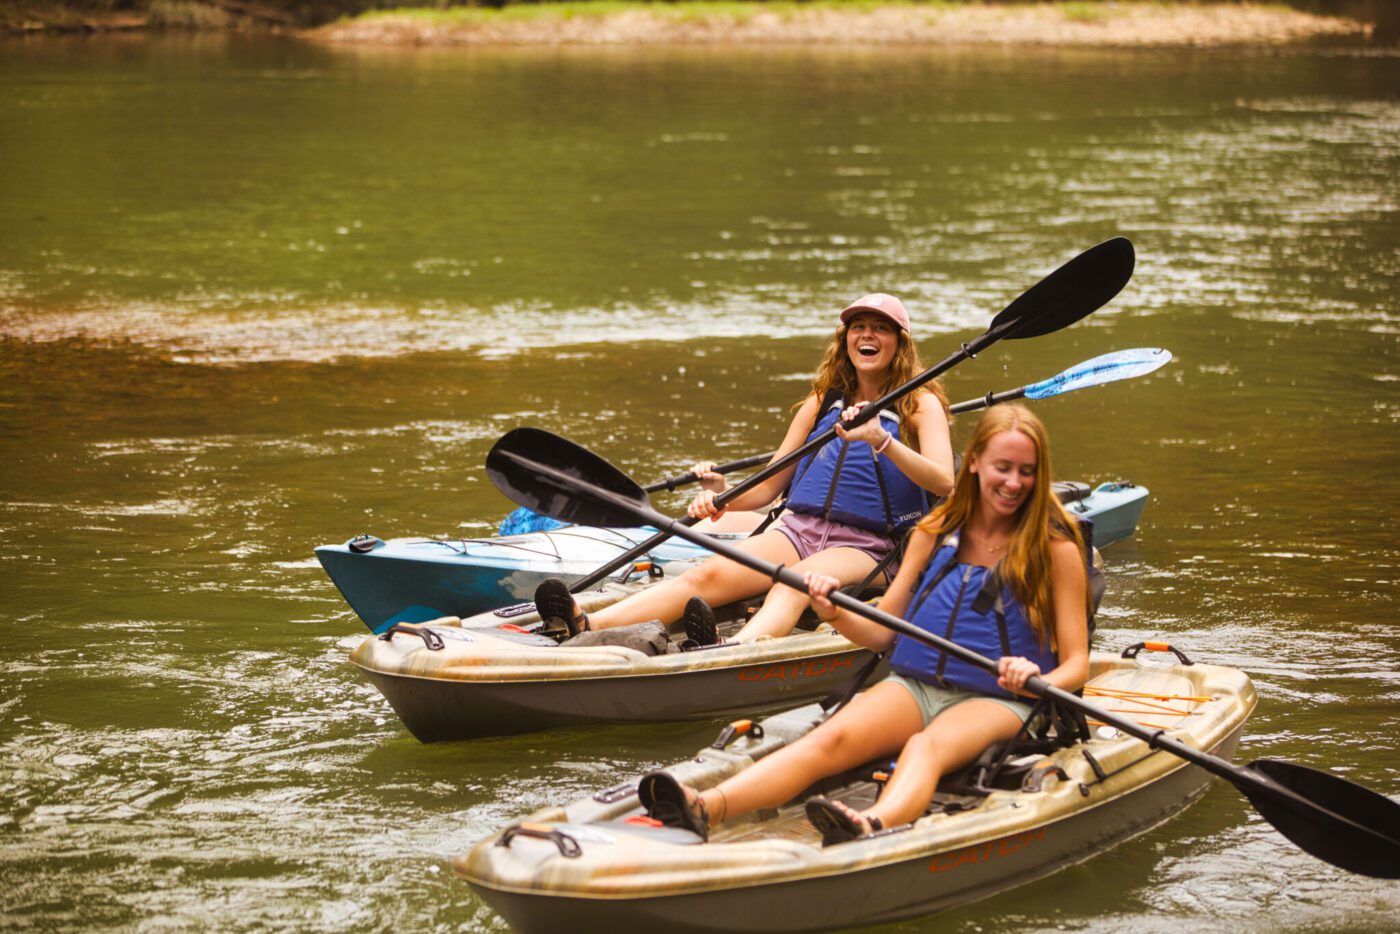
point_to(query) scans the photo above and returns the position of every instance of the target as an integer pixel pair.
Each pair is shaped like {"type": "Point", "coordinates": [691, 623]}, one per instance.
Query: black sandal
{"type": "Point", "coordinates": [665, 800]}
{"type": "Point", "coordinates": [553, 601]}
{"type": "Point", "coordinates": [836, 823]}
{"type": "Point", "coordinates": [700, 622]}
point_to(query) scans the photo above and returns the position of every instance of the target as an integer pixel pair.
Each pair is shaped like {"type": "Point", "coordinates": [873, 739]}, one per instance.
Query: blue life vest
{"type": "Point", "coordinates": [847, 482]}
{"type": "Point", "coordinates": [965, 603]}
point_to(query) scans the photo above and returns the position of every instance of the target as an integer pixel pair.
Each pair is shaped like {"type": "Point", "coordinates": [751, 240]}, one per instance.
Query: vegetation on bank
{"type": "Point", "coordinates": [615, 21]}
{"type": "Point", "coordinates": [1137, 23]}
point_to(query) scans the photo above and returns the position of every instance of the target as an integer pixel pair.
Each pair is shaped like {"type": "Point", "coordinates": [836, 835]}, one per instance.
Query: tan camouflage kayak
{"type": "Point", "coordinates": [597, 864]}
{"type": "Point", "coordinates": [491, 674]}
{"type": "Point", "coordinates": [460, 679]}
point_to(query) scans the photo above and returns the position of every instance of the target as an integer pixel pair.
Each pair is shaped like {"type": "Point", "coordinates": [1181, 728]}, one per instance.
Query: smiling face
{"type": "Point", "coordinates": [1005, 471]}
{"type": "Point", "coordinates": [871, 342]}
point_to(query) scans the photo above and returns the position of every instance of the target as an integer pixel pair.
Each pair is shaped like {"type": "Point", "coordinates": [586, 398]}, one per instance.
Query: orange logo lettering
{"type": "Point", "coordinates": [811, 669]}
{"type": "Point", "coordinates": [982, 852]}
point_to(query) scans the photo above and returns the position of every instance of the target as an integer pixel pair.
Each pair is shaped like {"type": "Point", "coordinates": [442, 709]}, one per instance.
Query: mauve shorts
{"type": "Point", "coordinates": [811, 534]}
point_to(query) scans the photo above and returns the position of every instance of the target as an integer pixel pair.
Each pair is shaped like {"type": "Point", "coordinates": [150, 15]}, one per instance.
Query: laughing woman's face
{"type": "Point", "coordinates": [871, 342]}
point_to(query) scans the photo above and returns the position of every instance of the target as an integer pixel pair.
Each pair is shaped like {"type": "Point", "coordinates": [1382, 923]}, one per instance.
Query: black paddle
{"type": "Point", "coordinates": [527, 520]}
{"type": "Point", "coordinates": [685, 479]}
{"type": "Point", "coordinates": [1074, 291]}
{"type": "Point", "coordinates": [1331, 818]}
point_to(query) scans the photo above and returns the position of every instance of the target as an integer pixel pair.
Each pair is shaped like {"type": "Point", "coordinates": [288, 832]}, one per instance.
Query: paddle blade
{"type": "Point", "coordinates": [1333, 819]}
{"type": "Point", "coordinates": [1121, 364]}
{"type": "Point", "coordinates": [536, 469]}
{"type": "Point", "coordinates": [523, 521]}
{"type": "Point", "coordinates": [1075, 290]}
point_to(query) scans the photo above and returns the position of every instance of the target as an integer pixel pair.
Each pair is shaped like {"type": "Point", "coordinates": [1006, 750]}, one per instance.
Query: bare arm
{"type": "Point", "coordinates": [1068, 584]}
{"type": "Point", "coordinates": [703, 507]}
{"type": "Point", "coordinates": [863, 631]}
{"type": "Point", "coordinates": [931, 467]}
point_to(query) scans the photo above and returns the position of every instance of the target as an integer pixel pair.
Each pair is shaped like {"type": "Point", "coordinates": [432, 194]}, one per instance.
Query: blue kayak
{"type": "Point", "coordinates": [413, 580]}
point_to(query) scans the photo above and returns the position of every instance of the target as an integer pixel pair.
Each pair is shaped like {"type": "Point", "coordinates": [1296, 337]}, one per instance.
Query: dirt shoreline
{"type": "Point", "coordinates": [1111, 25]}
{"type": "Point", "coordinates": [1126, 24]}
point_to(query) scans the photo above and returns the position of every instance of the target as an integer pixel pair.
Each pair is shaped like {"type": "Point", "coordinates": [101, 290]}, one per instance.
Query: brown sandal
{"type": "Point", "coordinates": [837, 823]}
{"type": "Point", "coordinates": [665, 800]}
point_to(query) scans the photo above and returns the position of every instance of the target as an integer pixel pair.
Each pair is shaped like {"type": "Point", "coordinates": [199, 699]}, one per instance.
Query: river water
{"type": "Point", "coordinates": [258, 295]}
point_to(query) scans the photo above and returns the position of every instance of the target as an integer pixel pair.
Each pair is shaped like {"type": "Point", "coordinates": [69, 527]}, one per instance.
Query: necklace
{"type": "Point", "coordinates": [987, 544]}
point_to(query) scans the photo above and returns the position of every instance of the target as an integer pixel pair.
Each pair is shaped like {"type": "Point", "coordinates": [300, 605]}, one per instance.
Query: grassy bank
{"type": "Point", "coordinates": [1080, 23]}
{"type": "Point", "coordinates": [618, 22]}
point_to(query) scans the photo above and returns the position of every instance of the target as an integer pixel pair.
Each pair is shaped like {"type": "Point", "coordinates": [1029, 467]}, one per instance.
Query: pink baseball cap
{"type": "Point", "coordinates": [880, 304]}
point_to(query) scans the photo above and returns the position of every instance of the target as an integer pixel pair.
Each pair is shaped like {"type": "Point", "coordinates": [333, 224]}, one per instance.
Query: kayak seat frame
{"type": "Point", "coordinates": [1012, 765]}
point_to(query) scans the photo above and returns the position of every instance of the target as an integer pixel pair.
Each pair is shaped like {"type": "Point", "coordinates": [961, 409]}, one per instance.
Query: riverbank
{"type": "Point", "coordinates": [604, 22]}
{"type": "Point", "coordinates": [1067, 24]}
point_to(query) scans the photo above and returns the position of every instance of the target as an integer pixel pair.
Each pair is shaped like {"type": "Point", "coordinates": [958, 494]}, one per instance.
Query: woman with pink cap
{"type": "Point", "coordinates": [849, 502]}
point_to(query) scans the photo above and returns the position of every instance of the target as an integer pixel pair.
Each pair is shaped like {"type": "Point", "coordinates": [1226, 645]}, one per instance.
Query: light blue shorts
{"type": "Point", "coordinates": [933, 700]}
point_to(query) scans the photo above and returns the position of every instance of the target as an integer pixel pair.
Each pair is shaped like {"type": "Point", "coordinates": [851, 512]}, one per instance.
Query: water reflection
{"type": "Point", "coordinates": [307, 296]}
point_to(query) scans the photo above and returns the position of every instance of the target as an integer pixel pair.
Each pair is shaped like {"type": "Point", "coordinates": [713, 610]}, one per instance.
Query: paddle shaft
{"type": "Point", "coordinates": [685, 479]}
{"type": "Point", "coordinates": [1246, 780]}
{"type": "Point", "coordinates": [987, 401]}
{"type": "Point", "coordinates": [753, 460]}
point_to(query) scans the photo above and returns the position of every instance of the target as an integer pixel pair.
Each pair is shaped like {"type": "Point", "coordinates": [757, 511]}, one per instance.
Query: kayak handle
{"type": "Point", "coordinates": [1133, 650]}
{"type": "Point", "coordinates": [735, 730]}
{"type": "Point", "coordinates": [364, 543]}
{"type": "Point", "coordinates": [616, 793]}
{"type": "Point", "coordinates": [568, 846]}
{"type": "Point", "coordinates": [431, 639]}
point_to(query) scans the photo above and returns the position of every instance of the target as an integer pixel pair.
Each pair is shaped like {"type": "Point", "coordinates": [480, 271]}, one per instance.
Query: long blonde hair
{"type": "Point", "coordinates": [1026, 568]}
{"type": "Point", "coordinates": [836, 371]}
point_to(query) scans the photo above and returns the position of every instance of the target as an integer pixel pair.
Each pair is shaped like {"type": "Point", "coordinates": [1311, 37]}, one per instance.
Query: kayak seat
{"type": "Point", "coordinates": [1017, 764]}
{"type": "Point", "coordinates": [1005, 766]}
{"type": "Point", "coordinates": [1070, 492]}
{"type": "Point", "coordinates": [731, 617]}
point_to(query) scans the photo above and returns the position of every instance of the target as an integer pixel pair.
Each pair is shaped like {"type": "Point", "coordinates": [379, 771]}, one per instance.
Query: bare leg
{"type": "Point", "coordinates": [956, 737]}
{"type": "Point", "coordinates": [877, 723]}
{"type": "Point", "coordinates": [718, 580]}
{"type": "Point", "coordinates": [783, 605]}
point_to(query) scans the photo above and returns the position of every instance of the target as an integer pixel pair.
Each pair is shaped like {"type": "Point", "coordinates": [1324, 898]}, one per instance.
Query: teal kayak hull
{"type": "Point", "coordinates": [416, 580]}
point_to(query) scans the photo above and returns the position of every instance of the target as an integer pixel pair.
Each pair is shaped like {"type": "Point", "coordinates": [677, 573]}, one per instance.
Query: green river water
{"type": "Point", "coordinates": [258, 295]}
